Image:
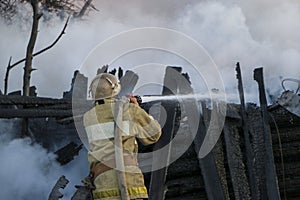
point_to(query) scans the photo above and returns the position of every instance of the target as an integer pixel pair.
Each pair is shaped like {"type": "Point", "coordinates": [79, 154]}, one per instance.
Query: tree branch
{"type": "Point", "coordinates": [9, 67]}
{"type": "Point", "coordinates": [57, 39]}
{"type": "Point", "coordinates": [84, 8]}
{"type": "Point", "coordinates": [6, 76]}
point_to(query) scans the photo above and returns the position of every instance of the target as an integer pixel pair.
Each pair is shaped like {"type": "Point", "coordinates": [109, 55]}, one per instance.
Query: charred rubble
{"type": "Point", "coordinates": [257, 155]}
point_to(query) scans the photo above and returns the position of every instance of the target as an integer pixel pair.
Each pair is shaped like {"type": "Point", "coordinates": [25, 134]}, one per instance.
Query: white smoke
{"type": "Point", "coordinates": [255, 33]}
{"type": "Point", "coordinates": [28, 171]}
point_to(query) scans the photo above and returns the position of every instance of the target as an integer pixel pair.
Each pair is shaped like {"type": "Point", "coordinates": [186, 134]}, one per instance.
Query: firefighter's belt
{"type": "Point", "coordinates": [99, 168]}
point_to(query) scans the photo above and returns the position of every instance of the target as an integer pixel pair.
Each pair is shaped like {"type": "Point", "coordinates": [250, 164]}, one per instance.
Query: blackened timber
{"type": "Point", "coordinates": [214, 186]}
{"type": "Point", "coordinates": [158, 177]}
{"type": "Point", "coordinates": [258, 140]}
{"type": "Point", "coordinates": [33, 113]}
{"type": "Point", "coordinates": [271, 177]}
{"type": "Point", "coordinates": [235, 160]}
{"type": "Point", "coordinates": [172, 108]}
{"type": "Point", "coordinates": [191, 185]}
{"type": "Point", "coordinates": [184, 179]}
{"type": "Point", "coordinates": [283, 118]}
{"type": "Point", "coordinates": [55, 193]}
{"type": "Point", "coordinates": [67, 153]}
{"type": "Point", "coordinates": [128, 82]}
{"type": "Point", "coordinates": [249, 156]}
{"type": "Point", "coordinates": [29, 100]}
{"type": "Point", "coordinates": [38, 107]}
{"type": "Point", "coordinates": [82, 193]}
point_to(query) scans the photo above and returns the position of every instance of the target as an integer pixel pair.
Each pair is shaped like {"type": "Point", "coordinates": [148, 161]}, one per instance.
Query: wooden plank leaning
{"type": "Point", "coordinates": [248, 148]}
{"type": "Point", "coordinates": [271, 177]}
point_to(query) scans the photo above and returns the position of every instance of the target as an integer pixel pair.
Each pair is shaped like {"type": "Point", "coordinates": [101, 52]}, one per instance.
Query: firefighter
{"type": "Point", "coordinates": [99, 126]}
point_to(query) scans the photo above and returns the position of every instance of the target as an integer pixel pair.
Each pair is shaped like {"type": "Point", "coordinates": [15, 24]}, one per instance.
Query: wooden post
{"type": "Point", "coordinates": [120, 167]}
{"type": "Point", "coordinates": [212, 165]}
{"type": "Point", "coordinates": [271, 177]}
{"type": "Point", "coordinates": [214, 185]}
{"type": "Point", "coordinates": [235, 159]}
{"type": "Point", "coordinates": [158, 177]}
{"type": "Point", "coordinates": [249, 156]}
{"type": "Point", "coordinates": [256, 131]}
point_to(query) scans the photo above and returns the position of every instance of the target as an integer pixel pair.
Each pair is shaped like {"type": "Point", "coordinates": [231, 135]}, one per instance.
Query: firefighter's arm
{"type": "Point", "coordinates": [147, 128]}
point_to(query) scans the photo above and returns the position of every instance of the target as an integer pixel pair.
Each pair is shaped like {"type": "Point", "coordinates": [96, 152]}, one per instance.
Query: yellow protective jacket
{"type": "Point", "coordinates": [99, 125]}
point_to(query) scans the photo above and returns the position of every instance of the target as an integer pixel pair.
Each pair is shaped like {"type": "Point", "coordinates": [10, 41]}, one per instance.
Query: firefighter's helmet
{"type": "Point", "coordinates": [104, 86]}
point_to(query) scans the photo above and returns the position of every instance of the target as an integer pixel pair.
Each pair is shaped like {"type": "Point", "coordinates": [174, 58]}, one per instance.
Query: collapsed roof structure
{"type": "Point", "coordinates": [255, 157]}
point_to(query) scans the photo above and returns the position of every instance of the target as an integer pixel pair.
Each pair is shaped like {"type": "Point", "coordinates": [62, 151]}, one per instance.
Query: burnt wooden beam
{"type": "Point", "coordinates": [215, 185]}
{"type": "Point", "coordinates": [271, 177]}
{"type": "Point", "coordinates": [33, 113]}
{"type": "Point", "coordinates": [29, 100]}
{"type": "Point", "coordinates": [157, 187]}
{"type": "Point", "coordinates": [184, 180]}
{"type": "Point", "coordinates": [235, 160]}
{"type": "Point", "coordinates": [248, 148]}
{"type": "Point", "coordinates": [158, 177]}
{"type": "Point", "coordinates": [128, 82]}
{"type": "Point", "coordinates": [258, 145]}
{"type": "Point", "coordinates": [191, 185]}
{"type": "Point", "coordinates": [82, 193]}
{"type": "Point", "coordinates": [55, 193]}
{"type": "Point", "coordinates": [66, 154]}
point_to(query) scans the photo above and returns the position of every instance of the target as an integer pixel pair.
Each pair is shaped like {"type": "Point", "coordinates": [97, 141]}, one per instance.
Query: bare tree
{"type": "Point", "coordinates": [9, 8]}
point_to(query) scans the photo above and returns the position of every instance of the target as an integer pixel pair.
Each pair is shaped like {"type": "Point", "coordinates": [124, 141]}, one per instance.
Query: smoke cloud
{"type": "Point", "coordinates": [28, 171]}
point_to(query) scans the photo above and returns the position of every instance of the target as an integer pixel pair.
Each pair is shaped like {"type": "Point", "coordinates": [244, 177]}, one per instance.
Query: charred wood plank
{"type": "Point", "coordinates": [282, 117]}
{"type": "Point", "coordinates": [235, 161]}
{"type": "Point", "coordinates": [271, 177]}
{"type": "Point", "coordinates": [222, 168]}
{"type": "Point", "coordinates": [249, 156]}
{"type": "Point", "coordinates": [184, 179]}
{"type": "Point", "coordinates": [128, 82]}
{"type": "Point", "coordinates": [33, 113]}
{"type": "Point", "coordinates": [186, 165]}
{"type": "Point", "coordinates": [258, 141]}
{"type": "Point", "coordinates": [29, 100]}
{"type": "Point", "coordinates": [170, 128]}
{"type": "Point", "coordinates": [185, 186]}
{"type": "Point", "coordinates": [82, 193]}
{"type": "Point", "coordinates": [55, 193]}
{"type": "Point", "coordinates": [103, 69]}
{"type": "Point", "coordinates": [215, 185]}
{"type": "Point", "coordinates": [158, 177]}
{"type": "Point", "coordinates": [66, 154]}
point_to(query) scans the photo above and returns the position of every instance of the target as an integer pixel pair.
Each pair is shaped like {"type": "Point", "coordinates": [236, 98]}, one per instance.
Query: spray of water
{"type": "Point", "coordinates": [197, 97]}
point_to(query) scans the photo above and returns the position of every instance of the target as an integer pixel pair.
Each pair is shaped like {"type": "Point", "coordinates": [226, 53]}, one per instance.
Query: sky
{"type": "Point", "coordinates": [256, 33]}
